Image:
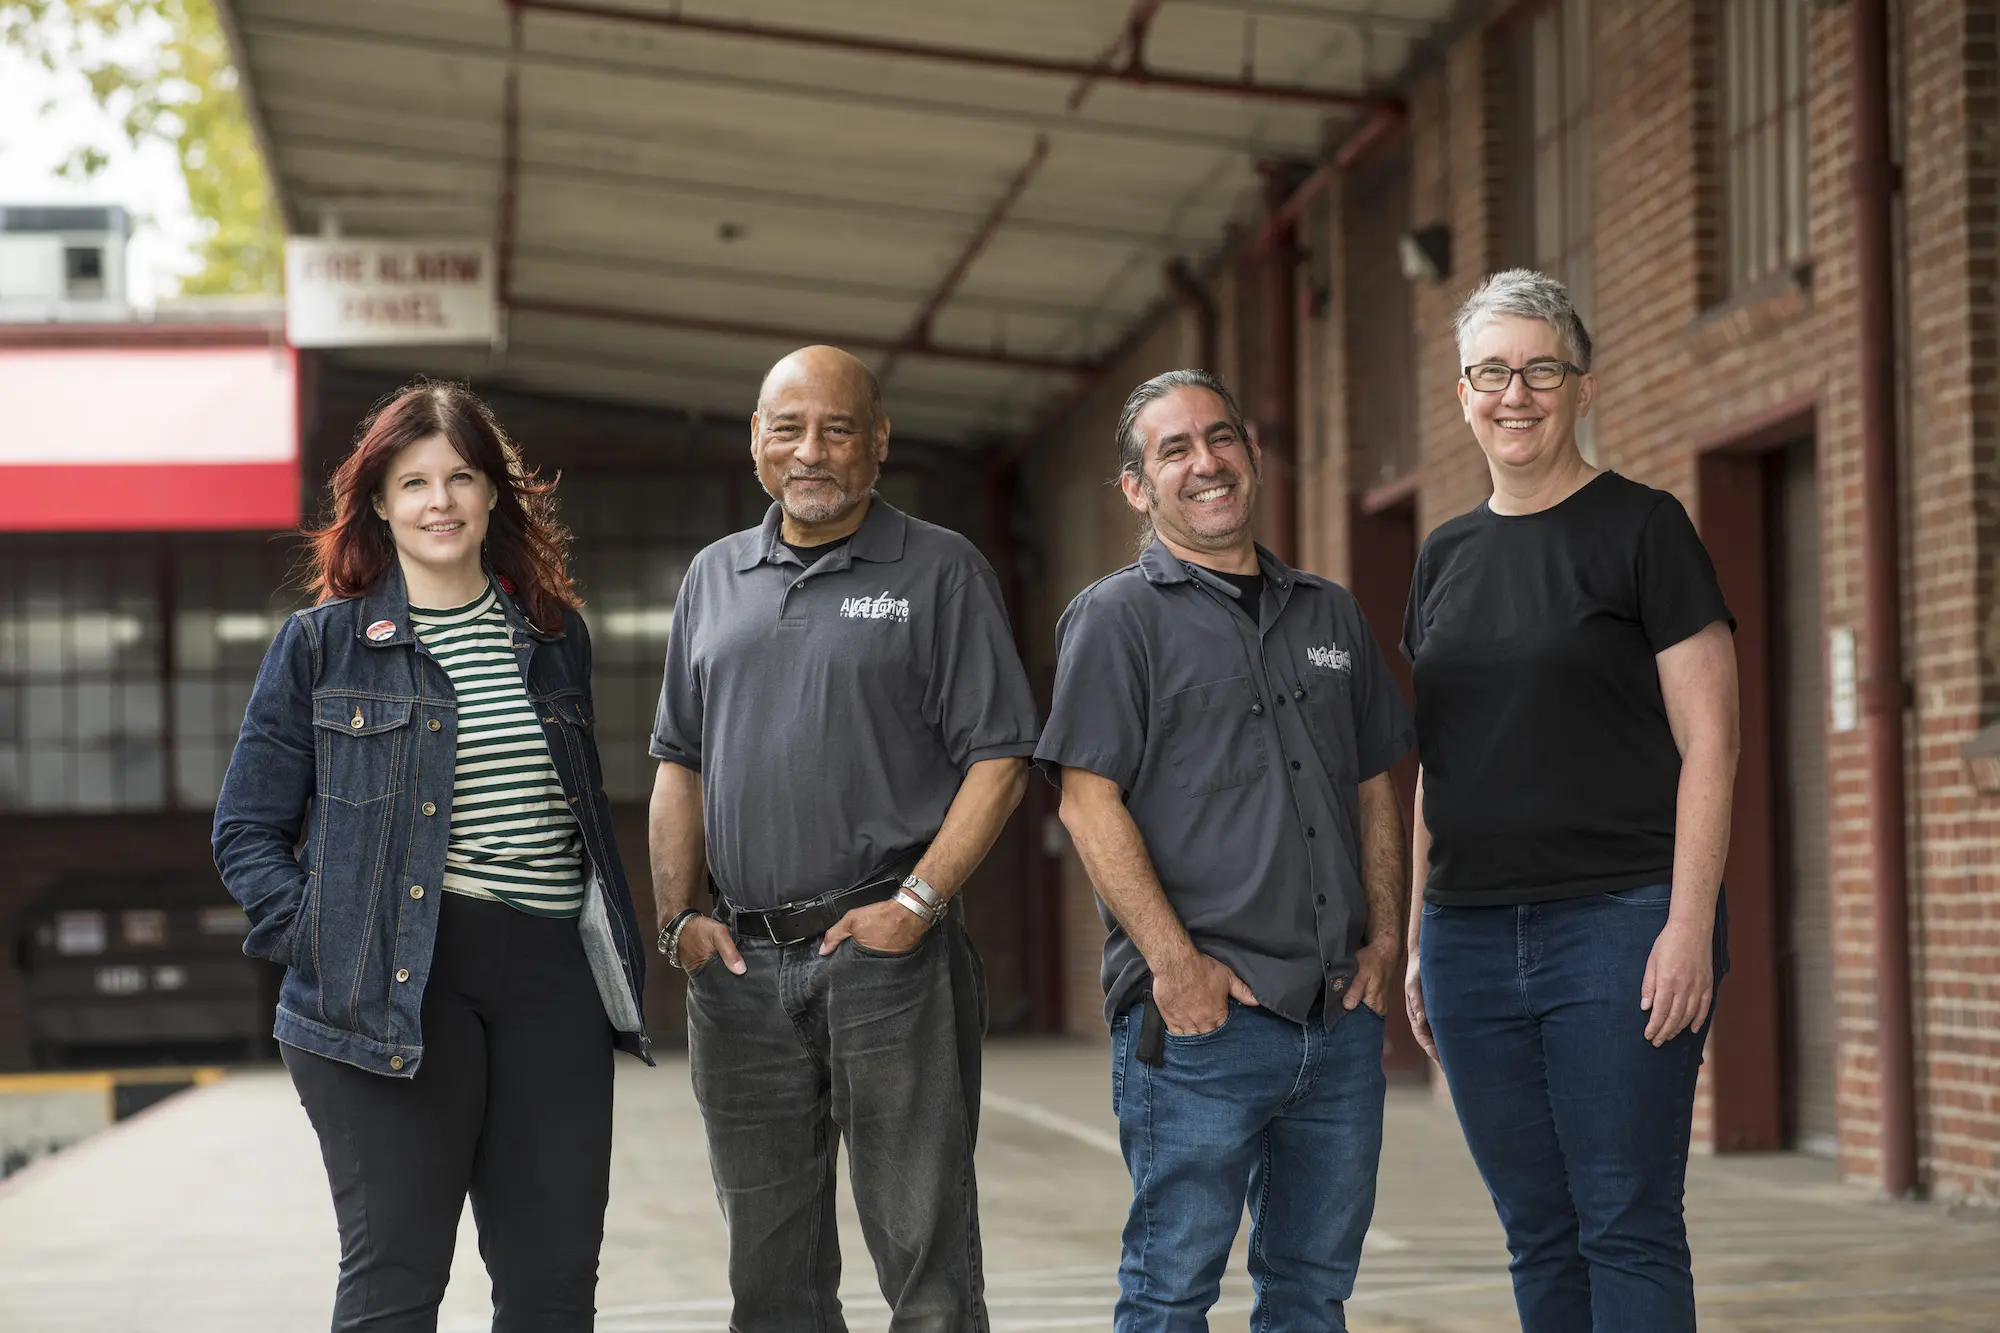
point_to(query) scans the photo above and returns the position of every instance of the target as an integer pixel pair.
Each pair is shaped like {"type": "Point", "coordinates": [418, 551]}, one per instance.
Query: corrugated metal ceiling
{"type": "Point", "coordinates": [675, 185]}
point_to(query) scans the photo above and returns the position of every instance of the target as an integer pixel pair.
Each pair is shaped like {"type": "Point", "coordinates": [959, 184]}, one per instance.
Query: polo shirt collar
{"type": "Point", "coordinates": [879, 539]}
{"type": "Point", "coordinates": [1161, 566]}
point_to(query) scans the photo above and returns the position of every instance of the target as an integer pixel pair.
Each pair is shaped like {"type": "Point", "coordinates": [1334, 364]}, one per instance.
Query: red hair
{"type": "Point", "coordinates": [526, 545]}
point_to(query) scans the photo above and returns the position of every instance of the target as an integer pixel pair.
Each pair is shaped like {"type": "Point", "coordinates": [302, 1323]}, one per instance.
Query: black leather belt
{"type": "Point", "coordinates": [792, 923]}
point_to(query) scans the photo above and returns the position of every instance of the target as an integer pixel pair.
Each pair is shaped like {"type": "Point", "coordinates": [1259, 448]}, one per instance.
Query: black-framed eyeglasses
{"type": "Point", "coordinates": [1495, 376]}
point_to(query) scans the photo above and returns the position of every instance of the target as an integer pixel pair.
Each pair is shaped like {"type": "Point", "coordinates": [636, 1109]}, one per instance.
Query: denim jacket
{"type": "Point", "coordinates": [335, 813]}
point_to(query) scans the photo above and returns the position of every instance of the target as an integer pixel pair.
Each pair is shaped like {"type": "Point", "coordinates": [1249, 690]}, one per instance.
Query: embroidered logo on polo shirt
{"type": "Point", "coordinates": [883, 607]}
{"type": "Point", "coordinates": [1331, 659]}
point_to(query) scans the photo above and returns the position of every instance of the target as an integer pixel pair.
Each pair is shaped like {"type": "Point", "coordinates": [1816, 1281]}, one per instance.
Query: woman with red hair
{"type": "Point", "coordinates": [415, 823]}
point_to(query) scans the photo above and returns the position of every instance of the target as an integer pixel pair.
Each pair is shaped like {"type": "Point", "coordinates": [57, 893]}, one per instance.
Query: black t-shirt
{"type": "Point", "coordinates": [811, 554]}
{"type": "Point", "coordinates": [1249, 590]}
{"type": "Point", "coordinates": [1549, 768]}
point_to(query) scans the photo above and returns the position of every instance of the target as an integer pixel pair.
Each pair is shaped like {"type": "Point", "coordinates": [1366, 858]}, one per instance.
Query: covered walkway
{"type": "Point", "coordinates": [208, 1214]}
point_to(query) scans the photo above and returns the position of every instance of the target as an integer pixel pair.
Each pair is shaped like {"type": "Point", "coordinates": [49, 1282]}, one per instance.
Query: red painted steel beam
{"type": "Point", "coordinates": [1378, 128]}
{"type": "Point", "coordinates": [919, 335]}
{"type": "Point", "coordinates": [1884, 690]}
{"type": "Point", "coordinates": [510, 159]}
{"type": "Point", "coordinates": [1131, 43]}
{"type": "Point", "coordinates": [729, 328]}
{"type": "Point", "coordinates": [1134, 72]}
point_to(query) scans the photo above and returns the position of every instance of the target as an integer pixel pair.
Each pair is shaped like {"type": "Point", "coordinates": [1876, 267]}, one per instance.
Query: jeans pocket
{"type": "Point", "coordinates": [888, 955]}
{"type": "Point", "coordinates": [1657, 897]}
{"type": "Point", "coordinates": [1196, 1038]}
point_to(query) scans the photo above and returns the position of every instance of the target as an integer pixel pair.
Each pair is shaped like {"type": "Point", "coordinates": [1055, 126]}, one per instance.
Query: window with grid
{"type": "Point", "coordinates": [81, 716]}
{"type": "Point", "coordinates": [1763, 61]}
{"type": "Point", "coordinates": [125, 665]}
{"type": "Point", "coordinates": [635, 534]}
{"type": "Point", "coordinates": [230, 597]}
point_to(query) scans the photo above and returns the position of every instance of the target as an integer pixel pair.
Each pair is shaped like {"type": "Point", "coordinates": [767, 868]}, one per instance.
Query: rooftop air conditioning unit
{"type": "Point", "coordinates": [63, 263]}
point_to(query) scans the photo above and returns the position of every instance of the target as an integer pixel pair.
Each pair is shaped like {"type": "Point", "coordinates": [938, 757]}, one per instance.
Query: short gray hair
{"type": "Point", "coordinates": [1522, 293]}
{"type": "Point", "coordinates": [1132, 449]}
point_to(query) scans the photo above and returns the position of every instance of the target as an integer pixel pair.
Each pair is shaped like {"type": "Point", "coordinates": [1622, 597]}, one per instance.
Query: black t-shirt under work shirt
{"type": "Point", "coordinates": [810, 555]}
{"type": "Point", "coordinates": [1549, 768]}
{"type": "Point", "coordinates": [1249, 590]}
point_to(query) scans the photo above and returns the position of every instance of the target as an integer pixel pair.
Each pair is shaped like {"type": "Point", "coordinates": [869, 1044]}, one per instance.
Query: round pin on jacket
{"type": "Point", "coordinates": [382, 629]}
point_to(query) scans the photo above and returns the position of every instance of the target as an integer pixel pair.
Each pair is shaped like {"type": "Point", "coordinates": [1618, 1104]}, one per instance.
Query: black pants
{"type": "Point", "coordinates": [511, 1105]}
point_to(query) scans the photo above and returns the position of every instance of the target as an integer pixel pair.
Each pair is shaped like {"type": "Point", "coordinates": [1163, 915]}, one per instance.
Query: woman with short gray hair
{"type": "Point", "coordinates": [1576, 719]}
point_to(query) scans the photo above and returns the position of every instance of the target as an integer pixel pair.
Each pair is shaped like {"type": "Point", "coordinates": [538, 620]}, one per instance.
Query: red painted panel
{"type": "Point", "coordinates": [150, 497]}
{"type": "Point", "coordinates": [1744, 1049]}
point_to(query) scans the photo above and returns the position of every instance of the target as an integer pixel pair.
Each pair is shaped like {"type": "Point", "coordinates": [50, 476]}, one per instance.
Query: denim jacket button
{"type": "Point", "coordinates": [434, 724]}
{"type": "Point", "coordinates": [430, 808]}
{"type": "Point", "coordinates": [402, 974]}
{"type": "Point", "coordinates": [416, 890]}
{"type": "Point", "coordinates": [395, 1062]}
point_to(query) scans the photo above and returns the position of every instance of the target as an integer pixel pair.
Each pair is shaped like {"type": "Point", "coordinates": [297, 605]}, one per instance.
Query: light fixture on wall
{"type": "Point", "coordinates": [1426, 253]}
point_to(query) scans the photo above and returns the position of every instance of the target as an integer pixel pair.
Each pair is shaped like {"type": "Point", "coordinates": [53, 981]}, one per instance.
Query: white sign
{"type": "Point", "coordinates": [1840, 678]}
{"type": "Point", "coordinates": [372, 293]}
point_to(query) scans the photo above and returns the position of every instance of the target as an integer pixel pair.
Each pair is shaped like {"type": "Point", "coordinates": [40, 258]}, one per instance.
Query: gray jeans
{"type": "Point", "coordinates": [883, 1051]}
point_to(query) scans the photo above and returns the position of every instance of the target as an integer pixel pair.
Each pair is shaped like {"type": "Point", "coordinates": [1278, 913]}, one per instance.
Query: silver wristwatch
{"type": "Point", "coordinates": [919, 897]}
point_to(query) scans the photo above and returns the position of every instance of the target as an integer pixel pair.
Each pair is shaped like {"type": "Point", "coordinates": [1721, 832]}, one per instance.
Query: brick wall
{"type": "Point", "coordinates": [1681, 369]}
{"type": "Point", "coordinates": [1684, 367]}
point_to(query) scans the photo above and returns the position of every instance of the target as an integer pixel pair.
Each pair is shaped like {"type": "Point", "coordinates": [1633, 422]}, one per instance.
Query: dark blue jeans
{"type": "Point", "coordinates": [1289, 1116]}
{"type": "Point", "coordinates": [1578, 1123]}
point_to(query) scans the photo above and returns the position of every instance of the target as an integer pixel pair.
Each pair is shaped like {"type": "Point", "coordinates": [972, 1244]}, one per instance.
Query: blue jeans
{"type": "Point", "coordinates": [1579, 1125]}
{"type": "Point", "coordinates": [1289, 1116]}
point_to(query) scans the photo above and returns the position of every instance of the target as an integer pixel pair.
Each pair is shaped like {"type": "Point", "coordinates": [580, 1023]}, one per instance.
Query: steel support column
{"type": "Point", "coordinates": [1272, 365]}
{"type": "Point", "coordinates": [1884, 694]}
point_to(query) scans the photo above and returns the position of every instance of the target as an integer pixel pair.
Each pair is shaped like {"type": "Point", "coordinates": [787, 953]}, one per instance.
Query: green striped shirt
{"type": "Point", "coordinates": [513, 838]}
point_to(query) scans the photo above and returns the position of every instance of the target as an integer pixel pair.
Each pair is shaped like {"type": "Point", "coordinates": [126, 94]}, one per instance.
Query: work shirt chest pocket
{"type": "Point", "coordinates": [1213, 739]}
{"type": "Point", "coordinates": [362, 746]}
{"type": "Point", "coordinates": [1328, 708]}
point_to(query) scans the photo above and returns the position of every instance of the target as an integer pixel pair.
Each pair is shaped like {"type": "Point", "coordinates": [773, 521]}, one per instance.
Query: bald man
{"type": "Point", "coordinates": [843, 729]}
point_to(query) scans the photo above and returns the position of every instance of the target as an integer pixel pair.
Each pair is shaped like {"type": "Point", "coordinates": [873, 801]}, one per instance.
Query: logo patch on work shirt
{"type": "Point", "coordinates": [380, 630]}
{"type": "Point", "coordinates": [883, 607]}
{"type": "Point", "coordinates": [1331, 659]}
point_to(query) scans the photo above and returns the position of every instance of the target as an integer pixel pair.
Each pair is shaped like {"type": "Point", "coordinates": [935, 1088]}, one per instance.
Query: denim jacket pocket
{"type": "Point", "coordinates": [361, 743]}
{"type": "Point", "coordinates": [305, 931]}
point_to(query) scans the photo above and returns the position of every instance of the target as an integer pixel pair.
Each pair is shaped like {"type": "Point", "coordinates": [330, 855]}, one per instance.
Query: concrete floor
{"type": "Point", "coordinates": [208, 1214]}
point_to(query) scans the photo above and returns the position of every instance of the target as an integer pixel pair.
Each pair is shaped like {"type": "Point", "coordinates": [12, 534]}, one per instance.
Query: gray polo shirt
{"type": "Point", "coordinates": [1239, 750]}
{"type": "Point", "coordinates": [833, 712]}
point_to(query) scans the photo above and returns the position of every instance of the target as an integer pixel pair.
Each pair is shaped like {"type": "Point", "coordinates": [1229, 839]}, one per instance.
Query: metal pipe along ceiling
{"type": "Point", "coordinates": [1134, 71]}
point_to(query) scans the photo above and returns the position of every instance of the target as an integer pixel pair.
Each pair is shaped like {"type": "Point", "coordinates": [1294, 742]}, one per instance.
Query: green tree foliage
{"type": "Point", "coordinates": [162, 68]}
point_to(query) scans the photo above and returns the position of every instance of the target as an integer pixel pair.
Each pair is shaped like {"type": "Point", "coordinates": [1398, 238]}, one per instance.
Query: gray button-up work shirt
{"type": "Point", "coordinates": [1240, 750]}
{"type": "Point", "coordinates": [832, 712]}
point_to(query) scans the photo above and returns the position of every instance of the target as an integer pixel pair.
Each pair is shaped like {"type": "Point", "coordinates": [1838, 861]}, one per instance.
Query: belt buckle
{"type": "Point", "coordinates": [771, 925]}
